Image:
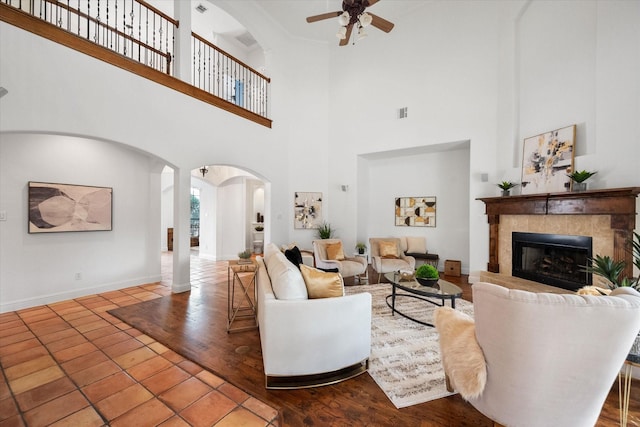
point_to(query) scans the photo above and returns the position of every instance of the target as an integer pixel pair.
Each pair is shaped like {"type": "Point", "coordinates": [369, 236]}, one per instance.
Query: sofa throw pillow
{"type": "Point", "coordinates": [416, 245]}
{"type": "Point", "coordinates": [321, 284]}
{"type": "Point", "coordinates": [388, 249]}
{"type": "Point", "coordinates": [335, 252]}
{"type": "Point", "coordinates": [294, 256]}
{"type": "Point", "coordinates": [286, 281]}
{"type": "Point", "coordinates": [462, 357]}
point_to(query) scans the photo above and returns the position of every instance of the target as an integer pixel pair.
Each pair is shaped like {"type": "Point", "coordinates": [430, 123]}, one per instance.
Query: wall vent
{"type": "Point", "coordinates": [246, 39]}
{"type": "Point", "coordinates": [200, 8]}
{"type": "Point", "coordinates": [402, 113]}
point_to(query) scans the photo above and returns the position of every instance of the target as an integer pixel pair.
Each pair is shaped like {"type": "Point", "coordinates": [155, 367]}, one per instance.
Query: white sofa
{"type": "Point", "coordinates": [308, 342]}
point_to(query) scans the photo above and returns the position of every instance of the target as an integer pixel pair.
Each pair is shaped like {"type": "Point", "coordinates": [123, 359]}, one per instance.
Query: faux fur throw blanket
{"type": "Point", "coordinates": [462, 356]}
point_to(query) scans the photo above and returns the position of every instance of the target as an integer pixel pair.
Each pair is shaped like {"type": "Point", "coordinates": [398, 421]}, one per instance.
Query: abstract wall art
{"type": "Point", "coordinates": [547, 159]}
{"type": "Point", "coordinates": [416, 211]}
{"type": "Point", "coordinates": [307, 210]}
{"type": "Point", "coordinates": [55, 208]}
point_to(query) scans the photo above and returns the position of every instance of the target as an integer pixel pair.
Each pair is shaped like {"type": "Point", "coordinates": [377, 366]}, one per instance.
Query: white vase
{"type": "Point", "coordinates": [580, 186]}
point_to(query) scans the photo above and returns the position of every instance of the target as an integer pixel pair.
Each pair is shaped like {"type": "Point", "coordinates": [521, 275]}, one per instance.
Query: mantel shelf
{"type": "Point", "coordinates": [619, 203]}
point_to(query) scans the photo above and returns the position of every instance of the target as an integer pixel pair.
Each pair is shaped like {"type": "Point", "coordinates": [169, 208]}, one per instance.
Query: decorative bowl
{"type": "Point", "coordinates": [406, 276]}
{"type": "Point", "coordinates": [427, 282]}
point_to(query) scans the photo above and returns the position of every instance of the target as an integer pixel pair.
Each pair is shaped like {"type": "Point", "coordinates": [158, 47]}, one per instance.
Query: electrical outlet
{"type": "Point", "coordinates": [78, 276]}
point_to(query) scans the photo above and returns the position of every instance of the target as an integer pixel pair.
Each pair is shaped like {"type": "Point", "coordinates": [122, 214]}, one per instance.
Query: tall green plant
{"type": "Point", "coordinates": [611, 270]}
{"type": "Point", "coordinates": [606, 267]}
{"type": "Point", "coordinates": [324, 231]}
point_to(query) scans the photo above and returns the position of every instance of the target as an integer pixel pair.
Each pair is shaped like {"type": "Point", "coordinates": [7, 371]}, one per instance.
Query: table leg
{"type": "Point", "coordinates": [624, 391]}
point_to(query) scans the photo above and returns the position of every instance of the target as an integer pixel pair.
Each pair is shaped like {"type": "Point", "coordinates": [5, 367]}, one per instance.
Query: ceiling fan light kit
{"type": "Point", "coordinates": [353, 13]}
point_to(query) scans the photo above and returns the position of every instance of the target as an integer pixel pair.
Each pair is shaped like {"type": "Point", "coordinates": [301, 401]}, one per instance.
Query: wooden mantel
{"type": "Point", "coordinates": [620, 203]}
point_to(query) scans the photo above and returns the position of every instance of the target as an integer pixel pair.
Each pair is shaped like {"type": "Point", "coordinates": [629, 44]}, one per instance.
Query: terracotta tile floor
{"type": "Point", "coordinates": [73, 364]}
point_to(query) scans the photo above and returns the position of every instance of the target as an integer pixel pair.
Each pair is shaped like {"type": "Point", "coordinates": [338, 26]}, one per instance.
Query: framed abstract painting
{"type": "Point", "coordinates": [415, 211]}
{"type": "Point", "coordinates": [307, 210]}
{"type": "Point", "coordinates": [547, 159]}
{"type": "Point", "coordinates": [55, 208]}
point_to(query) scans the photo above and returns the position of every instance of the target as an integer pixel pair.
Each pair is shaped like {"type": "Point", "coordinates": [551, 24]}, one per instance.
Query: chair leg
{"type": "Point", "coordinates": [448, 383]}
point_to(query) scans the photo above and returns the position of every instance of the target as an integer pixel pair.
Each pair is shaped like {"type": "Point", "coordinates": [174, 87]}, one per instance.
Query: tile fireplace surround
{"type": "Point", "coordinates": [608, 216]}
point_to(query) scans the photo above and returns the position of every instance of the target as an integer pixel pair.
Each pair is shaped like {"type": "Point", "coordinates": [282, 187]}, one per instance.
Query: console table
{"type": "Point", "coordinates": [241, 295]}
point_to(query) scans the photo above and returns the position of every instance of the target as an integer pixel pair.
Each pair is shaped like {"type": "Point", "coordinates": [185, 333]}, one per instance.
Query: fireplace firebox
{"type": "Point", "coordinates": [553, 259]}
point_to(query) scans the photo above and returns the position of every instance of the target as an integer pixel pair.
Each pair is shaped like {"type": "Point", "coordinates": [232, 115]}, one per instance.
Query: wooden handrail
{"type": "Point", "coordinates": [159, 12]}
{"type": "Point", "coordinates": [208, 43]}
{"type": "Point", "coordinates": [27, 22]}
{"type": "Point", "coordinates": [115, 30]}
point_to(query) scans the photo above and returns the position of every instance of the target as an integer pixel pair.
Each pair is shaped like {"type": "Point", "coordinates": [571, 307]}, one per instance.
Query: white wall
{"type": "Point", "coordinates": [457, 66]}
{"type": "Point", "coordinates": [443, 174]}
{"type": "Point", "coordinates": [231, 218]}
{"type": "Point", "coordinates": [39, 268]}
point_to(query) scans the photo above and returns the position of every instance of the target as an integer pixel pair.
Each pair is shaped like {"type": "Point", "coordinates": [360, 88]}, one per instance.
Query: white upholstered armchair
{"type": "Point", "coordinates": [329, 254]}
{"type": "Point", "coordinates": [386, 259]}
{"type": "Point", "coordinates": [547, 359]}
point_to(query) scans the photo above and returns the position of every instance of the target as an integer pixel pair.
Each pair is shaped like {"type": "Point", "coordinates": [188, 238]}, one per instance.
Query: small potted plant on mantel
{"type": "Point", "coordinates": [579, 178]}
{"type": "Point", "coordinates": [506, 187]}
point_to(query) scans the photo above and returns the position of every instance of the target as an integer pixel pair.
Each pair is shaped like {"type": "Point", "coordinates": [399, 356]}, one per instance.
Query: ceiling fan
{"type": "Point", "coordinates": [353, 13]}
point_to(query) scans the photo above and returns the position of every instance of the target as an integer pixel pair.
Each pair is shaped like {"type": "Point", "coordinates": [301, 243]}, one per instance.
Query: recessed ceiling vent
{"type": "Point", "coordinates": [200, 8]}
{"type": "Point", "coordinates": [246, 39]}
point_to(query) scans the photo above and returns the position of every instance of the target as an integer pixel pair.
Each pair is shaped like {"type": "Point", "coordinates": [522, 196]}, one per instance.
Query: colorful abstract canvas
{"type": "Point", "coordinates": [416, 211]}
{"type": "Point", "coordinates": [547, 159]}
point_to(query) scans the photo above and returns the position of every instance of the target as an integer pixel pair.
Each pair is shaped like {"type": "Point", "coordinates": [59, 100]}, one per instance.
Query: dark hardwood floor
{"type": "Point", "coordinates": [194, 325]}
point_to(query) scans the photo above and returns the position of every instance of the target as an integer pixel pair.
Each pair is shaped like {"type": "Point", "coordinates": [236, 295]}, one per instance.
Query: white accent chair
{"type": "Point", "coordinates": [551, 359]}
{"type": "Point", "coordinates": [348, 267]}
{"type": "Point", "coordinates": [387, 265]}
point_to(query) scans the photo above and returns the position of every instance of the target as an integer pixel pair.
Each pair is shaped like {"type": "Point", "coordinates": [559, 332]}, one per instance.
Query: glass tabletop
{"type": "Point", "coordinates": [442, 289]}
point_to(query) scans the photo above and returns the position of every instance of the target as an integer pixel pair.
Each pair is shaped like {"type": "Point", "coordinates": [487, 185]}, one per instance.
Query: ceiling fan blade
{"type": "Point", "coordinates": [371, 2]}
{"type": "Point", "coordinates": [381, 23]}
{"type": "Point", "coordinates": [345, 41]}
{"type": "Point", "coordinates": [322, 16]}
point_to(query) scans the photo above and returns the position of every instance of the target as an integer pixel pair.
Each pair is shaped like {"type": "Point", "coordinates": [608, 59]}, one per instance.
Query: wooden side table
{"type": "Point", "coordinates": [241, 294]}
{"type": "Point", "coordinates": [624, 387]}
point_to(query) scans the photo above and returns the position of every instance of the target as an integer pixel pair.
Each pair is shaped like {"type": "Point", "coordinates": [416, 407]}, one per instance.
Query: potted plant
{"type": "Point", "coordinates": [427, 275]}
{"type": "Point", "coordinates": [578, 179]}
{"type": "Point", "coordinates": [611, 270]}
{"type": "Point", "coordinates": [361, 248]}
{"type": "Point", "coordinates": [324, 231]}
{"type": "Point", "coordinates": [506, 187]}
{"type": "Point", "coordinates": [244, 257]}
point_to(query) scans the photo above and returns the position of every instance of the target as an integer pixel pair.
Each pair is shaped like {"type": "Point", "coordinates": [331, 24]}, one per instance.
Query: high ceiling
{"type": "Point", "coordinates": [291, 16]}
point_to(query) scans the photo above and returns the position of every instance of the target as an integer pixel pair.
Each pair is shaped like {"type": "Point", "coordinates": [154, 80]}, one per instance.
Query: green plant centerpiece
{"type": "Point", "coordinates": [506, 187]}
{"type": "Point", "coordinates": [325, 231]}
{"type": "Point", "coordinates": [361, 248]}
{"type": "Point", "coordinates": [427, 275]}
{"type": "Point", "coordinates": [244, 257]}
{"type": "Point", "coordinates": [579, 178]}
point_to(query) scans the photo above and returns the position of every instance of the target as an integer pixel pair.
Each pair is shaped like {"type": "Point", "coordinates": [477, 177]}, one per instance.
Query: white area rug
{"type": "Point", "coordinates": [405, 355]}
